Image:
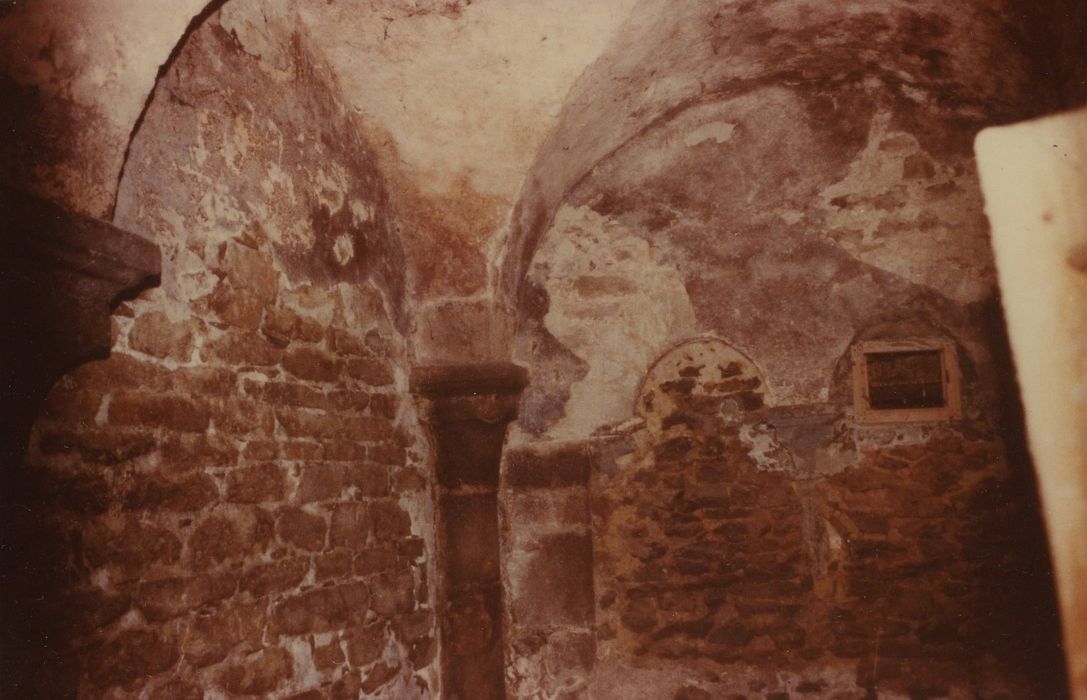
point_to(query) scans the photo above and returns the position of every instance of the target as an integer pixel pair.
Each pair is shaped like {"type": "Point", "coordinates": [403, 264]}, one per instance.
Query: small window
{"type": "Point", "coordinates": [905, 381]}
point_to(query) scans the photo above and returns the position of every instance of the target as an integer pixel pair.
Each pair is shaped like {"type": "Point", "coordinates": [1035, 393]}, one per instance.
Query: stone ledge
{"type": "Point", "coordinates": [446, 381]}
{"type": "Point", "coordinates": [60, 275]}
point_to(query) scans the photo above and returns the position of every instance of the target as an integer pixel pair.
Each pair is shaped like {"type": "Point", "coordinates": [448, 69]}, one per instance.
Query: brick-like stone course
{"type": "Point", "coordinates": [205, 487]}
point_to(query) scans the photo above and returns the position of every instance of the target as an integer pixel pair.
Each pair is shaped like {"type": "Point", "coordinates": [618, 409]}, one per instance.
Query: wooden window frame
{"type": "Point", "coordinates": [862, 408]}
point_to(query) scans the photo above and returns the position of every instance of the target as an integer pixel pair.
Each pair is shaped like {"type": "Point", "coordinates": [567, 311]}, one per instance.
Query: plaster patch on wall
{"type": "Point", "coordinates": [361, 211]}
{"type": "Point", "coordinates": [614, 306]}
{"type": "Point", "coordinates": [330, 187]}
{"type": "Point", "coordinates": [763, 447]}
{"type": "Point", "coordinates": [721, 132]}
{"type": "Point", "coordinates": [344, 249]}
{"type": "Point", "coordinates": [901, 208]}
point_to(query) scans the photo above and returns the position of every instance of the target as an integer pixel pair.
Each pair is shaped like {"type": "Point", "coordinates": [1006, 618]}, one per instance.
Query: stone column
{"type": "Point", "coordinates": [468, 410]}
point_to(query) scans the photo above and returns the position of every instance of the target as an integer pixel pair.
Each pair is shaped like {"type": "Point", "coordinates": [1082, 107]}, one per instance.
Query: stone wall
{"type": "Point", "coordinates": [736, 538]}
{"type": "Point", "coordinates": [748, 217]}
{"type": "Point", "coordinates": [236, 502]}
{"type": "Point", "coordinates": [747, 550]}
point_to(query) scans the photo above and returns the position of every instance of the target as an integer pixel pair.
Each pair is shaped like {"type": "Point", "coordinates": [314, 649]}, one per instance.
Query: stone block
{"type": "Point", "coordinates": [132, 545]}
{"type": "Point", "coordinates": [321, 425]}
{"type": "Point", "coordinates": [70, 402]}
{"type": "Point", "coordinates": [274, 577]}
{"type": "Point", "coordinates": [154, 333]}
{"type": "Point", "coordinates": [105, 447]}
{"type": "Point", "coordinates": [393, 593]}
{"type": "Point", "coordinates": [409, 480]}
{"type": "Point", "coordinates": [390, 521]}
{"type": "Point", "coordinates": [321, 481]}
{"type": "Point", "coordinates": [163, 599]}
{"type": "Point", "coordinates": [178, 689]}
{"type": "Point", "coordinates": [554, 586]}
{"type": "Point", "coordinates": [180, 452]}
{"type": "Point", "coordinates": [87, 609]}
{"type": "Point", "coordinates": [387, 453]}
{"type": "Point", "coordinates": [232, 534]}
{"type": "Point", "coordinates": [288, 393]}
{"type": "Point", "coordinates": [245, 417]}
{"type": "Point", "coordinates": [328, 656]}
{"type": "Point", "coordinates": [301, 529]}
{"type": "Point", "coordinates": [373, 560]}
{"type": "Point", "coordinates": [370, 480]}
{"type": "Point", "coordinates": [384, 405]}
{"type": "Point", "coordinates": [301, 450]}
{"type": "Point", "coordinates": [332, 565]}
{"type": "Point", "coordinates": [282, 326]}
{"type": "Point", "coordinates": [370, 371]}
{"type": "Point", "coordinates": [259, 674]}
{"type": "Point", "coordinates": [132, 654]}
{"type": "Point", "coordinates": [312, 364]}
{"type": "Point", "coordinates": [239, 349]}
{"type": "Point", "coordinates": [249, 269]}
{"type": "Point", "coordinates": [322, 610]}
{"type": "Point", "coordinates": [352, 524]}
{"type": "Point", "coordinates": [236, 307]}
{"type": "Point", "coordinates": [344, 451]}
{"type": "Point", "coordinates": [210, 637]}
{"type": "Point", "coordinates": [189, 493]}
{"type": "Point", "coordinates": [568, 466]}
{"type": "Point", "coordinates": [264, 483]}
{"type": "Point", "coordinates": [158, 411]}
{"type": "Point", "coordinates": [639, 615]}
{"type": "Point", "coordinates": [366, 644]}
{"type": "Point", "coordinates": [344, 343]}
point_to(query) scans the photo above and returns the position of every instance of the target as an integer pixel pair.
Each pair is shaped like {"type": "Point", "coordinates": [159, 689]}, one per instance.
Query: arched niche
{"type": "Point", "coordinates": [708, 373]}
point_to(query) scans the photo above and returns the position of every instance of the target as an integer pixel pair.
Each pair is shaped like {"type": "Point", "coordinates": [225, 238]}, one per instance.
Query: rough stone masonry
{"type": "Point", "coordinates": [505, 348]}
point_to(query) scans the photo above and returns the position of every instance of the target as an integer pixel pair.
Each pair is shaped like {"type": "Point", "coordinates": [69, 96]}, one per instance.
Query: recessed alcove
{"type": "Point", "coordinates": [905, 381]}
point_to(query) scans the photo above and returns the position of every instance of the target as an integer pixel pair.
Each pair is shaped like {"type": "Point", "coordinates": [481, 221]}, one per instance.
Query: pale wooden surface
{"type": "Point", "coordinates": [1034, 177]}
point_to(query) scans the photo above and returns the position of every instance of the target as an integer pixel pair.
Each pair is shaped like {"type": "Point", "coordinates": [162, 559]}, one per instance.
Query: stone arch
{"type": "Point", "coordinates": [322, 207]}
{"type": "Point", "coordinates": [844, 191]}
{"type": "Point", "coordinates": [895, 326]}
{"type": "Point", "coordinates": [664, 62]}
{"type": "Point", "coordinates": [206, 9]}
{"type": "Point", "coordinates": [710, 368]}
{"type": "Point", "coordinates": [77, 77]}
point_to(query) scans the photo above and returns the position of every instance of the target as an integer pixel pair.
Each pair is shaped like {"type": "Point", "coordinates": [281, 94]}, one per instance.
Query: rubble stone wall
{"type": "Point", "coordinates": [236, 501]}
